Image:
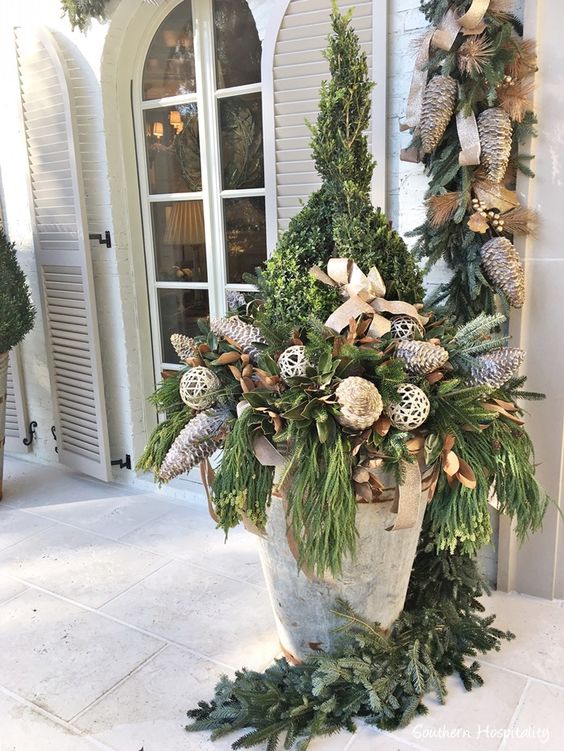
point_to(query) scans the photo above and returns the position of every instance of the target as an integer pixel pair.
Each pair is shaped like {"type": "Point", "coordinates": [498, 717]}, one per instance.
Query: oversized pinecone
{"type": "Point", "coordinates": [199, 439]}
{"type": "Point", "coordinates": [421, 357]}
{"type": "Point", "coordinates": [495, 368]}
{"type": "Point", "coordinates": [437, 110]}
{"type": "Point", "coordinates": [496, 133]}
{"type": "Point", "coordinates": [504, 269]}
{"type": "Point", "coordinates": [244, 335]}
{"type": "Point", "coordinates": [184, 346]}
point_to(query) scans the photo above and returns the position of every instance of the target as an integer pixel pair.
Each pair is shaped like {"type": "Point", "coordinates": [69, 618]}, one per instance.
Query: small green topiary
{"type": "Point", "coordinates": [17, 312]}
{"type": "Point", "coordinates": [338, 219]}
{"type": "Point", "coordinates": [81, 12]}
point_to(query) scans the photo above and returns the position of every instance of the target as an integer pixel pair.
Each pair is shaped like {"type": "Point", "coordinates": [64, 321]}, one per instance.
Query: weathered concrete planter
{"type": "Point", "coordinates": [375, 583]}
{"type": "Point", "coordinates": [3, 397]}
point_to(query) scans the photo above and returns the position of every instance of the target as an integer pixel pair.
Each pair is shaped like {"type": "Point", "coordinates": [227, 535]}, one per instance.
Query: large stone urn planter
{"type": "Point", "coordinates": [374, 583]}
{"type": "Point", "coordinates": [3, 398]}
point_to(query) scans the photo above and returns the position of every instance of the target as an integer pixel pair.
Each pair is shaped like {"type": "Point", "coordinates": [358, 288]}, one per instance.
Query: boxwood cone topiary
{"type": "Point", "coordinates": [16, 319]}
{"type": "Point", "coordinates": [339, 219]}
{"type": "Point", "coordinates": [16, 309]}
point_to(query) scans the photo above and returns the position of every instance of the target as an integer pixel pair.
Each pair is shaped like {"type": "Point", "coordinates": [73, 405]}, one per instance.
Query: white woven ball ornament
{"type": "Point", "coordinates": [198, 386]}
{"type": "Point", "coordinates": [412, 410]}
{"type": "Point", "coordinates": [293, 362]}
{"type": "Point", "coordinates": [405, 327]}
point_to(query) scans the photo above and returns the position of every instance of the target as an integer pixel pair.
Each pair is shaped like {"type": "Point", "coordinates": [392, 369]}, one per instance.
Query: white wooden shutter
{"type": "Point", "coordinates": [62, 253]}
{"type": "Point", "coordinates": [16, 414]}
{"type": "Point", "coordinates": [298, 70]}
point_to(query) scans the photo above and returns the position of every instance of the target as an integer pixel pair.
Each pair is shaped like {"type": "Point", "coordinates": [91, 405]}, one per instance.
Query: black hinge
{"type": "Point", "coordinates": [54, 434]}
{"type": "Point", "coordinates": [31, 434]}
{"type": "Point", "coordinates": [122, 464]}
{"type": "Point", "coordinates": [105, 240]}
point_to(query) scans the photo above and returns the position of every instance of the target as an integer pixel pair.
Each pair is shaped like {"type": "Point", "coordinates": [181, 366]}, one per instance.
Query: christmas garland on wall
{"type": "Point", "coordinates": [469, 110]}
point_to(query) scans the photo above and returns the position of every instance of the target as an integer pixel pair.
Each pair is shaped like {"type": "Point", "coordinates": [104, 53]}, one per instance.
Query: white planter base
{"type": "Point", "coordinates": [375, 583]}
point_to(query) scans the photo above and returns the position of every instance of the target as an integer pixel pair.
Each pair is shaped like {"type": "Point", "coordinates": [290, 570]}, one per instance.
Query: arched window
{"type": "Point", "coordinates": [201, 164]}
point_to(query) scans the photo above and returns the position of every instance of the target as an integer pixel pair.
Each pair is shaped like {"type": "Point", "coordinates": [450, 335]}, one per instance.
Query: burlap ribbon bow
{"type": "Point", "coordinates": [363, 293]}
{"type": "Point", "coordinates": [472, 22]}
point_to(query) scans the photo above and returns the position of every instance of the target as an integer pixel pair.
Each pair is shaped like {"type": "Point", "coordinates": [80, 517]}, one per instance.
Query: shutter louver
{"type": "Point", "coordinates": [65, 272]}
{"type": "Point", "coordinates": [299, 68]}
{"type": "Point", "coordinates": [16, 416]}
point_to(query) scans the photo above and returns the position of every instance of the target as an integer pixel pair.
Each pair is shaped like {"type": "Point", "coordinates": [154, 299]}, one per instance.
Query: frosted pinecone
{"type": "Point", "coordinates": [437, 110]}
{"type": "Point", "coordinates": [495, 368]}
{"type": "Point", "coordinates": [235, 299]}
{"type": "Point", "coordinates": [184, 346]}
{"type": "Point", "coordinates": [244, 335]}
{"type": "Point", "coordinates": [199, 439]}
{"type": "Point", "coordinates": [496, 133]}
{"type": "Point", "coordinates": [421, 357]}
{"type": "Point", "coordinates": [503, 268]}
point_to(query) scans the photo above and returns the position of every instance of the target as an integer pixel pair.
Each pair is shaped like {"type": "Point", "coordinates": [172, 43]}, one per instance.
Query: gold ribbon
{"type": "Point", "coordinates": [363, 293]}
{"type": "Point", "coordinates": [408, 499]}
{"type": "Point", "coordinates": [472, 22]}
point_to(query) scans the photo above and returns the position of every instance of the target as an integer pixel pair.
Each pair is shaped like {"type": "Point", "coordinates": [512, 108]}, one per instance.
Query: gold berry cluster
{"type": "Point", "coordinates": [491, 215]}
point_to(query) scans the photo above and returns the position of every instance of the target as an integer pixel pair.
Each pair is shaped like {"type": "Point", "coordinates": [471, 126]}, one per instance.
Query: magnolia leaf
{"type": "Point", "coordinates": [494, 196]}
{"type": "Point", "coordinates": [465, 475]}
{"type": "Point", "coordinates": [451, 464]}
{"type": "Point", "coordinates": [478, 223]}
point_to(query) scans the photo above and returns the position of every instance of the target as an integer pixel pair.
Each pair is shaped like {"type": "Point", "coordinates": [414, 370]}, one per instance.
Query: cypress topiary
{"type": "Point", "coordinates": [16, 310]}
{"type": "Point", "coordinates": [339, 219]}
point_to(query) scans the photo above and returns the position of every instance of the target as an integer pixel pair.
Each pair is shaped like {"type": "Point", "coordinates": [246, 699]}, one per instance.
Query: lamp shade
{"type": "Point", "coordinates": [158, 130]}
{"type": "Point", "coordinates": [185, 224]}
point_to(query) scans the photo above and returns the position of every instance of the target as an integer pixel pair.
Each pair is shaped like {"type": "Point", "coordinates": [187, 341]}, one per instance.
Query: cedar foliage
{"type": "Point", "coordinates": [17, 312]}
{"type": "Point", "coordinates": [339, 219]}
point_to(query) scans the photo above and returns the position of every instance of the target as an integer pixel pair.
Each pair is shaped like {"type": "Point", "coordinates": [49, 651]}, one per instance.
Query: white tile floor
{"type": "Point", "coordinates": [119, 610]}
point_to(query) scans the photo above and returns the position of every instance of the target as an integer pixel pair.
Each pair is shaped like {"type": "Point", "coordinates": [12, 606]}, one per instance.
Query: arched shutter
{"type": "Point", "coordinates": [62, 254]}
{"type": "Point", "coordinates": [16, 414]}
{"type": "Point", "coordinates": [298, 70]}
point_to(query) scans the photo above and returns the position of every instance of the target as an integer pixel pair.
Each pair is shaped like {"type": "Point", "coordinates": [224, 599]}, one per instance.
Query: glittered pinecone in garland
{"type": "Point", "coordinates": [242, 334]}
{"type": "Point", "coordinates": [503, 268]}
{"type": "Point", "coordinates": [496, 133]}
{"type": "Point", "coordinates": [495, 368]}
{"type": "Point", "coordinates": [184, 346]}
{"type": "Point", "coordinates": [199, 439]}
{"type": "Point", "coordinates": [421, 357]}
{"type": "Point", "coordinates": [437, 110]}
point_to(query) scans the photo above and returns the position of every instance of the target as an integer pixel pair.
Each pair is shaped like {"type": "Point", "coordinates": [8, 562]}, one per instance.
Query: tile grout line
{"type": "Point", "coordinates": [52, 717]}
{"type": "Point", "coordinates": [29, 537]}
{"type": "Point", "coordinates": [117, 685]}
{"type": "Point", "coordinates": [13, 597]}
{"type": "Point", "coordinates": [522, 675]}
{"type": "Point", "coordinates": [128, 588]}
{"type": "Point", "coordinates": [515, 714]}
{"type": "Point", "coordinates": [134, 547]}
{"type": "Point", "coordinates": [112, 618]}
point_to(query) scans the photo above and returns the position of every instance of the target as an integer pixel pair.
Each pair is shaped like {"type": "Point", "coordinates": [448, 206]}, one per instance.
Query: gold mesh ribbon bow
{"type": "Point", "coordinates": [363, 293]}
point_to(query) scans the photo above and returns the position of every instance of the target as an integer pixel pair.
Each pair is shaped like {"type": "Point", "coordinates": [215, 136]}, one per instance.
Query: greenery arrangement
{"type": "Point", "coordinates": [338, 392]}
{"type": "Point", "coordinates": [81, 12]}
{"type": "Point", "coordinates": [17, 313]}
{"type": "Point", "coordinates": [485, 78]}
